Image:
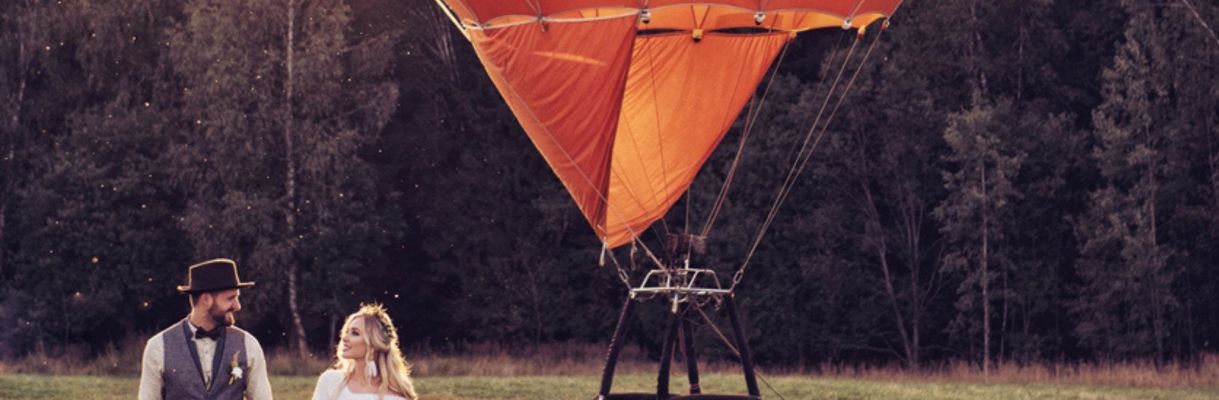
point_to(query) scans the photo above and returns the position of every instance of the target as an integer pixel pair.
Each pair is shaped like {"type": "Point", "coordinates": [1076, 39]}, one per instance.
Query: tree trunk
{"type": "Point", "coordinates": [1213, 162]}
{"type": "Point", "coordinates": [975, 51]}
{"type": "Point", "coordinates": [1025, 320]}
{"type": "Point", "coordinates": [302, 347]}
{"type": "Point", "coordinates": [912, 212]}
{"type": "Point", "coordinates": [979, 90]}
{"type": "Point", "coordinates": [899, 320]}
{"type": "Point", "coordinates": [334, 321]}
{"type": "Point", "coordinates": [10, 157]}
{"type": "Point", "coordinates": [1158, 270]}
{"type": "Point", "coordinates": [3, 209]}
{"type": "Point", "coordinates": [1003, 333]}
{"type": "Point", "coordinates": [1214, 185]}
{"type": "Point", "coordinates": [535, 300]}
{"type": "Point", "coordinates": [1020, 39]}
{"type": "Point", "coordinates": [881, 251]}
{"type": "Point", "coordinates": [985, 264]}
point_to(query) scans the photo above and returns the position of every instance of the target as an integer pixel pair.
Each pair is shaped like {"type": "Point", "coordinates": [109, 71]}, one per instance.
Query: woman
{"type": "Point", "coordinates": [370, 366]}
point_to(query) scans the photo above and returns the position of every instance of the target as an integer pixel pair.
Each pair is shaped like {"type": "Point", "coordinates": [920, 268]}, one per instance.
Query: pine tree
{"type": "Point", "coordinates": [1197, 157]}
{"type": "Point", "coordinates": [975, 217]}
{"type": "Point", "coordinates": [1127, 300]}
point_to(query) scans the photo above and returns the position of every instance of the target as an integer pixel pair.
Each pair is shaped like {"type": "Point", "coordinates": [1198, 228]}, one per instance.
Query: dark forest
{"type": "Point", "coordinates": [1023, 181]}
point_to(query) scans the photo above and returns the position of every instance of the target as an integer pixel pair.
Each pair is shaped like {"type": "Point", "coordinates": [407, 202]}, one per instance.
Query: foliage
{"type": "Point", "coordinates": [1137, 237]}
{"type": "Point", "coordinates": [377, 162]}
{"type": "Point", "coordinates": [976, 215]}
{"type": "Point", "coordinates": [281, 100]}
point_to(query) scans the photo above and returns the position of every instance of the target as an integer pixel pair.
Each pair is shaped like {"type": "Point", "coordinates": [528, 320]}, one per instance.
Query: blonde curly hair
{"type": "Point", "coordinates": [382, 339]}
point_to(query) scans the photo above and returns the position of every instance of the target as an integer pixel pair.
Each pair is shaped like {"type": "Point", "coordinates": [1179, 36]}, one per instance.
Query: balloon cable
{"type": "Point", "coordinates": [715, 328]}
{"type": "Point", "coordinates": [750, 121]}
{"type": "Point", "coordinates": [664, 167]}
{"type": "Point", "coordinates": [806, 151]}
{"type": "Point", "coordinates": [1201, 21]}
{"type": "Point", "coordinates": [609, 207]}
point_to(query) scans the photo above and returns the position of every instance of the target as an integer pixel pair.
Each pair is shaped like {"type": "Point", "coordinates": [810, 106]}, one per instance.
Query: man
{"type": "Point", "coordinates": [204, 357]}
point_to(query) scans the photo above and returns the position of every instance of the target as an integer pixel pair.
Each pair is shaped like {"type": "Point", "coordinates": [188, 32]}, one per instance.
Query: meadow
{"type": "Point", "coordinates": [54, 387]}
{"type": "Point", "coordinates": [573, 372]}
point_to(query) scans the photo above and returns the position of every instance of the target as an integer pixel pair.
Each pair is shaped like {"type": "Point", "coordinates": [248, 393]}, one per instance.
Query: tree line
{"type": "Point", "coordinates": [1004, 181]}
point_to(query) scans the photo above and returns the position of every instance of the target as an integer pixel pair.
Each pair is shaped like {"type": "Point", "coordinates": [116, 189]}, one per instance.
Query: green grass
{"type": "Point", "coordinates": [54, 387]}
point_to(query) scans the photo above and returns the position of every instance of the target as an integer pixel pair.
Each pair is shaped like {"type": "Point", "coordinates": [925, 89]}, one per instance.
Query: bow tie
{"type": "Point", "coordinates": [213, 334]}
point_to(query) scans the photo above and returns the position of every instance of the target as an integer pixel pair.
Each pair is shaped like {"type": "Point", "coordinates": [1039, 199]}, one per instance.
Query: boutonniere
{"type": "Point", "coordinates": [235, 370]}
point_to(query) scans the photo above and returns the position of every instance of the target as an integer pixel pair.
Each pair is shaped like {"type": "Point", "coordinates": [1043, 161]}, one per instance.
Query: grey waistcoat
{"type": "Point", "coordinates": [184, 379]}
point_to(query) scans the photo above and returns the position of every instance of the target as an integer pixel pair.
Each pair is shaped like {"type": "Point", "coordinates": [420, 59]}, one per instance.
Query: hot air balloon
{"type": "Point", "coordinates": [626, 99]}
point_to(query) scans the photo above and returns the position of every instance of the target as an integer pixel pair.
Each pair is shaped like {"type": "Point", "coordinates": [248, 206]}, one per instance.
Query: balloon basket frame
{"type": "Point", "coordinates": [680, 285]}
{"type": "Point", "coordinates": [684, 289]}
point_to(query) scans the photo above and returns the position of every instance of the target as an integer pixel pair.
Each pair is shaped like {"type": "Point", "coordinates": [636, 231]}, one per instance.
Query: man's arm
{"type": "Point", "coordinates": [258, 387]}
{"type": "Point", "coordinates": [150, 372]}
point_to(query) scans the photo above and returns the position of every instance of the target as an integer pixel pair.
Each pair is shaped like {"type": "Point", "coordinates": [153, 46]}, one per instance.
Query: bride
{"type": "Point", "coordinates": [370, 366]}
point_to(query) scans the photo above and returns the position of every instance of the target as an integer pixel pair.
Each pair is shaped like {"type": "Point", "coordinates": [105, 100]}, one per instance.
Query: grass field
{"type": "Point", "coordinates": [573, 372]}
{"type": "Point", "coordinates": [52, 387]}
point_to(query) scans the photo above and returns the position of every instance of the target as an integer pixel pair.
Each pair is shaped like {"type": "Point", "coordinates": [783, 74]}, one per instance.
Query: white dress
{"type": "Point", "coordinates": [330, 387]}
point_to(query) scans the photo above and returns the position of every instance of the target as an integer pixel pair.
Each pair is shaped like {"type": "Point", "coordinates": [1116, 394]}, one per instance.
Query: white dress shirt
{"type": "Point", "coordinates": [257, 388]}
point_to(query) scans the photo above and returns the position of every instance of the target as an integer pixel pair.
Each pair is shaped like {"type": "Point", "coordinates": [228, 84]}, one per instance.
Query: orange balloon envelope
{"type": "Point", "coordinates": [627, 99]}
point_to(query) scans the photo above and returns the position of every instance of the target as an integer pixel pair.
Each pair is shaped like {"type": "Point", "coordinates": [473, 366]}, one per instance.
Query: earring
{"type": "Point", "coordinates": [371, 369]}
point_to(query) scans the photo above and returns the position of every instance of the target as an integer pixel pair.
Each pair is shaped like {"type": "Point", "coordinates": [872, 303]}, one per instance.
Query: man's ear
{"type": "Point", "coordinates": [206, 299]}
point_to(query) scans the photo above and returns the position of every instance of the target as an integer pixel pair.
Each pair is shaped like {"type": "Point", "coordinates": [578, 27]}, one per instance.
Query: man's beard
{"type": "Point", "coordinates": [224, 318]}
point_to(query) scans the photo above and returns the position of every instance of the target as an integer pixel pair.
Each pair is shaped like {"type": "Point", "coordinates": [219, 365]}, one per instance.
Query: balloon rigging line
{"type": "Point", "coordinates": [795, 172]}
{"type": "Point", "coordinates": [460, 27]}
{"type": "Point", "coordinates": [664, 168]}
{"type": "Point", "coordinates": [723, 128]}
{"type": "Point", "coordinates": [753, 96]}
{"type": "Point", "coordinates": [750, 121]}
{"type": "Point", "coordinates": [715, 328]}
{"type": "Point", "coordinates": [796, 159]}
{"type": "Point", "coordinates": [537, 7]}
{"type": "Point", "coordinates": [686, 220]}
{"type": "Point", "coordinates": [622, 275]}
{"type": "Point", "coordinates": [631, 192]}
{"type": "Point", "coordinates": [1201, 21]}
{"type": "Point", "coordinates": [602, 196]}
{"type": "Point", "coordinates": [635, 143]}
{"type": "Point", "coordinates": [851, 16]}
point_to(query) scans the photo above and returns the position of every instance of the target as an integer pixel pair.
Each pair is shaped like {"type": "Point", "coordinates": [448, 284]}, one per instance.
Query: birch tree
{"type": "Point", "coordinates": [278, 98]}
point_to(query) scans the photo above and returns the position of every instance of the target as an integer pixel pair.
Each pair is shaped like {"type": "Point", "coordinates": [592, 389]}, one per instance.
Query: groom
{"type": "Point", "coordinates": [204, 357]}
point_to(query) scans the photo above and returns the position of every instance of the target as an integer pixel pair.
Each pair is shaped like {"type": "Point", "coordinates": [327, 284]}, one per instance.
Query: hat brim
{"type": "Point", "coordinates": [189, 290]}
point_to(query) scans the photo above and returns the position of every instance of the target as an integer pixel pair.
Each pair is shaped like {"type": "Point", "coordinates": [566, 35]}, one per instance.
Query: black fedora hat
{"type": "Point", "coordinates": [213, 275]}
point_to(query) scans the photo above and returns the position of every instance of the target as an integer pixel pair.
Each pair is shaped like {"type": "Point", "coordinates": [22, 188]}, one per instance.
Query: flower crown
{"type": "Point", "coordinates": [387, 327]}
